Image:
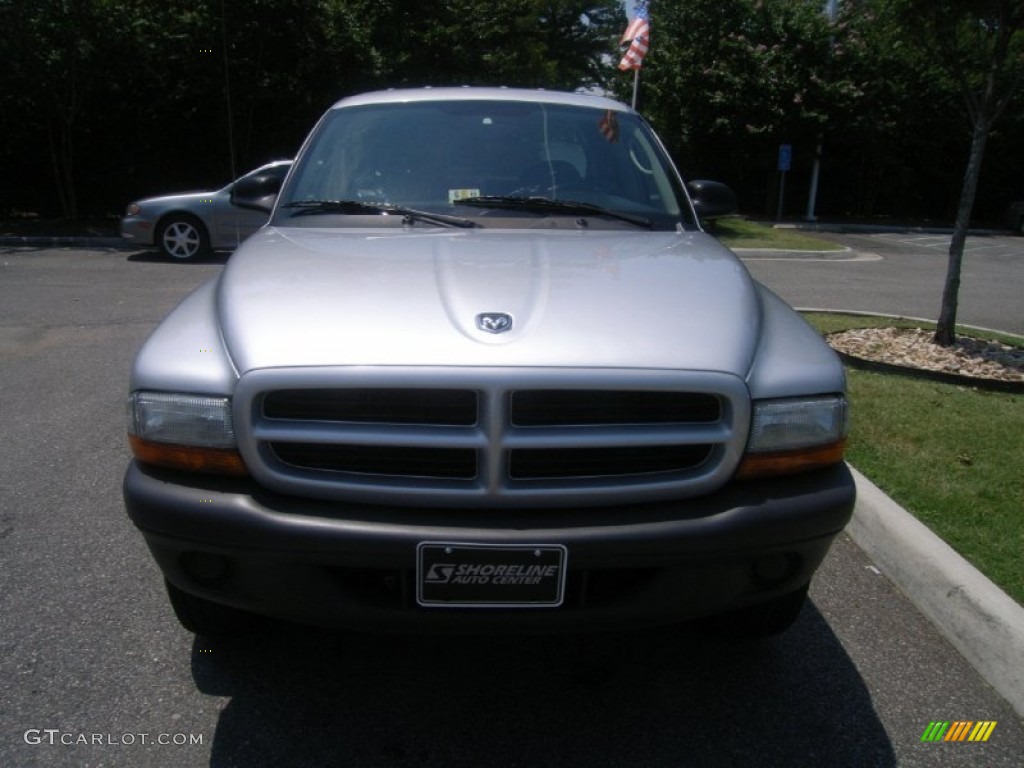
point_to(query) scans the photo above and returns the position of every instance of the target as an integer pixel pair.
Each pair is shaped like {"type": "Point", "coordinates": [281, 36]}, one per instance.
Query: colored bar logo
{"type": "Point", "coordinates": [958, 730]}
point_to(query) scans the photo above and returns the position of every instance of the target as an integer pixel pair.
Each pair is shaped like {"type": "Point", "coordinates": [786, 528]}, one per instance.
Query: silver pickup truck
{"type": "Point", "coordinates": [483, 370]}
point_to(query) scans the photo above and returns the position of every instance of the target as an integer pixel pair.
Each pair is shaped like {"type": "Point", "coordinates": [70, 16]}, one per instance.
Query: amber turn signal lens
{"type": "Point", "coordinates": [790, 462]}
{"type": "Point", "coordinates": [215, 461]}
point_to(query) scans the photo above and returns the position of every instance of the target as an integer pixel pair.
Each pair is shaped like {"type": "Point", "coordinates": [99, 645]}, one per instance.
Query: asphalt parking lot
{"type": "Point", "coordinates": [95, 671]}
{"type": "Point", "coordinates": [902, 273]}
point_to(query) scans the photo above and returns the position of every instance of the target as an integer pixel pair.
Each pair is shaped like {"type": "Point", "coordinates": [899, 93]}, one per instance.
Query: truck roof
{"type": "Point", "coordinates": [474, 93]}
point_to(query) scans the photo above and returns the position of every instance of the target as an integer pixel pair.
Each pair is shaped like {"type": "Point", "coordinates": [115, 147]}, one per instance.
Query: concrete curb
{"type": "Point", "coordinates": [853, 227]}
{"type": "Point", "coordinates": [887, 316]}
{"type": "Point", "coordinates": [973, 614]}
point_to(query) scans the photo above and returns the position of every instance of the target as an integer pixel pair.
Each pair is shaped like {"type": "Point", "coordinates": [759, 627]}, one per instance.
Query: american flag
{"type": "Point", "coordinates": [638, 35]}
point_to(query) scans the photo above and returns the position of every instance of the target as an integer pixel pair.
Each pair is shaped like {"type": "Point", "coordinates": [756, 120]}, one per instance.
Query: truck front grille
{"type": "Point", "coordinates": [480, 437]}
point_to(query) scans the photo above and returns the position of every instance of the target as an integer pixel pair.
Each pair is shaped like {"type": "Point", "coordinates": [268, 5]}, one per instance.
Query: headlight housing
{"type": "Point", "coordinates": [133, 209]}
{"type": "Point", "coordinates": [184, 431]}
{"type": "Point", "coordinates": [792, 435]}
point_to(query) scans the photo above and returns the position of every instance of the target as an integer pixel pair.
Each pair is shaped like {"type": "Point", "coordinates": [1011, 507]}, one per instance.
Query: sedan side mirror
{"type": "Point", "coordinates": [711, 199]}
{"type": "Point", "coordinates": [256, 192]}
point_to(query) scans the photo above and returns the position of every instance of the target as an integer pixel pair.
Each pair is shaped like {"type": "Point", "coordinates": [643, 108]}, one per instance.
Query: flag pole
{"type": "Point", "coordinates": [637, 34]}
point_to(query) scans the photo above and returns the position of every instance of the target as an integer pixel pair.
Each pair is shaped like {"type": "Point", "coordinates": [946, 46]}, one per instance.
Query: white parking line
{"type": "Point", "coordinates": [835, 257]}
{"type": "Point", "coordinates": [995, 247]}
{"type": "Point", "coordinates": [973, 245]}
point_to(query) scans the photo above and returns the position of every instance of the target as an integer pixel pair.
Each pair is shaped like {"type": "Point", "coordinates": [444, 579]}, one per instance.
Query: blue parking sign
{"type": "Point", "coordinates": [785, 156]}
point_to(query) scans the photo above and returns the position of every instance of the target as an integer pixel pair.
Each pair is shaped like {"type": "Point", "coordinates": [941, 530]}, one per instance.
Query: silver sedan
{"type": "Point", "coordinates": [192, 224]}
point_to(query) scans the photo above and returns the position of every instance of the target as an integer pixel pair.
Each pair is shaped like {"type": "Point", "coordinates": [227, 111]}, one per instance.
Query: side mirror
{"type": "Point", "coordinates": [711, 199]}
{"type": "Point", "coordinates": [256, 192]}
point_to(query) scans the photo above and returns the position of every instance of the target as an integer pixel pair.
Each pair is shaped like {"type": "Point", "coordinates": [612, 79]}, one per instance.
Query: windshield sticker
{"type": "Point", "coordinates": [462, 194]}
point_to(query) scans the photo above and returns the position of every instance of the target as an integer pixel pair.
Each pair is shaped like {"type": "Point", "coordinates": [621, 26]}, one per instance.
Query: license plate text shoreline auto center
{"type": "Point", "coordinates": [500, 574]}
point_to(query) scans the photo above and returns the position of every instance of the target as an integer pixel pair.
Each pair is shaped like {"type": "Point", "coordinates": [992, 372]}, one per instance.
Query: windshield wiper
{"type": "Point", "coordinates": [549, 205]}
{"type": "Point", "coordinates": [409, 215]}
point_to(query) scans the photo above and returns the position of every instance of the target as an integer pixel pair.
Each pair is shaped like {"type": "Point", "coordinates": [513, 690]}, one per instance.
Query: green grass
{"type": "Point", "coordinates": [952, 456]}
{"type": "Point", "coordinates": [741, 233]}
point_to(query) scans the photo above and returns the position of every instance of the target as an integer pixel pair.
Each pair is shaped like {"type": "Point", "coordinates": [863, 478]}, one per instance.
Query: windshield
{"type": "Point", "coordinates": [483, 160]}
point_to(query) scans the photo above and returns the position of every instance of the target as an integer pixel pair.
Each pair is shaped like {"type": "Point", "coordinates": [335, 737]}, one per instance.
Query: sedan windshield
{"type": "Point", "coordinates": [513, 161]}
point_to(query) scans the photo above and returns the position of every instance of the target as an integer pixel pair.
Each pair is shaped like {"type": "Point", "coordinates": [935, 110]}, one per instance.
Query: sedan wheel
{"type": "Point", "coordinates": [182, 238]}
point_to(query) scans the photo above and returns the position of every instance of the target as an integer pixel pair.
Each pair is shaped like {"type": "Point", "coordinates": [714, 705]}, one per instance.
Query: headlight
{"type": "Point", "coordinates": [795, 435]}
{"type": "Point", "coordinates": [133, 209]}
{"type": "Point", "coordinates": [183, 431]}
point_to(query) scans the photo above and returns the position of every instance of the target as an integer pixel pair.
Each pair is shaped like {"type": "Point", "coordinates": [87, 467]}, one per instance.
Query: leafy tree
{"type": "Point", "coordinates": [105, 100]}
{"type": "Point", "coordinates": [980, 45]}
{"type": "Point", "coordinates": [576, 35]}
{"type": "Point", "coordinates": [883, 143]}
{"type": "Point", "coordinates": [52, 49]}
{"type": "Point", "coordinates": [128, 97]}
{"type": "Point", "coordinates": [227, 84]}
{"type": "Point", "coordinates": [726, 82]}
{"type": "Point", "coordinates": [119, 98]}
{"type": "Point", "coordinates": [534, 43]}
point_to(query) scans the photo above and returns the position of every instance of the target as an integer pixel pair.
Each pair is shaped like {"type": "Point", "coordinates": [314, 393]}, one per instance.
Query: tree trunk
{"type": "Point", "coordinates": [61, 156]}
{"type": "Point", "coordinates": [945, 332]}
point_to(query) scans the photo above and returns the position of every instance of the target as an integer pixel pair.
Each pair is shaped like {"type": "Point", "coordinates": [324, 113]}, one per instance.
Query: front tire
{"type": "Point", "coordinates": [209, 619]}
{"type": "Point", "coordinates": [182, 237]}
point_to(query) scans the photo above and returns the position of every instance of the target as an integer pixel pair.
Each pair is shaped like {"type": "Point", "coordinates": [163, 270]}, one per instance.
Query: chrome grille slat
{"type": "Point", "coordinates": [647, 435]}
{"type": "Point", "coordinates": [536, 436]}
{"type": "Point", "coordinates": [363, 434]}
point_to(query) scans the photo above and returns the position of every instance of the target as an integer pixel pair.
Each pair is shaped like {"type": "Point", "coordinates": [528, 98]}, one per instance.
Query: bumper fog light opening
{"type": "Point", "coordinates": [204, 568]}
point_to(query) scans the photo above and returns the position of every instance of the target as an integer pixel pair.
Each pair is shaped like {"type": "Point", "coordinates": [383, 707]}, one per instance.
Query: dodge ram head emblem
{"type": "Point", "coordinates": [494, 322]}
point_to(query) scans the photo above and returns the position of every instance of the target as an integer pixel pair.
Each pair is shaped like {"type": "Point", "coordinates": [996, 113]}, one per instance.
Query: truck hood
{"type": "Point", "coordinates": [605, 299]}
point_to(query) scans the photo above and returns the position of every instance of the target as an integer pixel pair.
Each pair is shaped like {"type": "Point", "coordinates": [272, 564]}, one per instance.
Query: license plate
{"type": "Point", "coordinates": [460, 575]}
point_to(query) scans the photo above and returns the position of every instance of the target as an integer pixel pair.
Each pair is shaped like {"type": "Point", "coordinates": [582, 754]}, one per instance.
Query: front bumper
{"type": "Point", "coordinates": [138, 230]}
{"type": "Point", "coordinates": [353, 565]}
